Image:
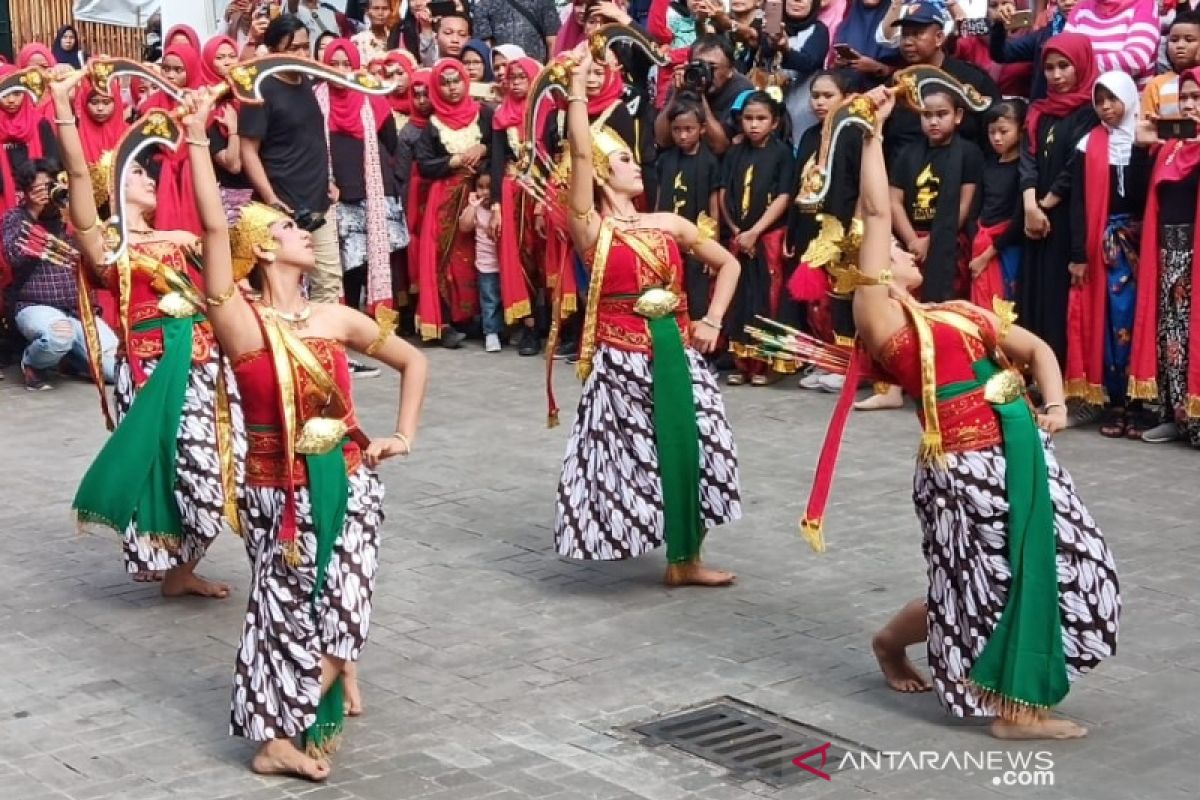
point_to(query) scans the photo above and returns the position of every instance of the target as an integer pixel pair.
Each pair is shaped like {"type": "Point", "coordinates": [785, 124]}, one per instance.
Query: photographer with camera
{"type": "Point", "coordinates": [708, 76]}
{"type": "Point", "coordinates": [44, 296]}
{"type": "Point", "coordinates": [286, 157]}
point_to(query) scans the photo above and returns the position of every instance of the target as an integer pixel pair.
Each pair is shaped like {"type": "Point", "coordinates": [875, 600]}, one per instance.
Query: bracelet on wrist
{"type": "Point", "coordinates": [64, 122]}
{"type": "Point", "coordinates": [716, 326]}
{"type": "Point", "coordinates": [1046, 408]}
{"type": "Point", "coordinates": [197, 142]}
{"type": "Point", "coordinates": [403, 440]}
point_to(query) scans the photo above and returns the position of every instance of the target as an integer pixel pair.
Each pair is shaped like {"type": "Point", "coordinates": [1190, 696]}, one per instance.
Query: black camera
{"type": "Point", "coordinates": [309, 220]}
{"type": "Point", "coordinates": [698, 76]}
{"type": "Point", "coordinates": [58, 190]}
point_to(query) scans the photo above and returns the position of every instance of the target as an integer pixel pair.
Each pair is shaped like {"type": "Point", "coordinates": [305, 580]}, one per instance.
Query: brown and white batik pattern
{"type": "Point", "coordinates": [610, 495]}
{"type": "Point", "coordinates": [277, 680]}
{"type": "Point", "coordinates": [1175, 297]}
{"type": "Point", "coordinates": [963, 511]}
{"type": "Point", "coordinates": [198, 485]}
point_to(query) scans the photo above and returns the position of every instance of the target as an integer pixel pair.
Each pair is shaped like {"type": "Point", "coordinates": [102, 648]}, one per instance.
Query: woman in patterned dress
{"type": "Point", "coordinates": [167, 475]}
{"type": "Point", "coordinates": [1023, 594]}
{"type": "Point", "coordinates": [312, 504]}
{"type": "Point", "coordinates": [651, 456]}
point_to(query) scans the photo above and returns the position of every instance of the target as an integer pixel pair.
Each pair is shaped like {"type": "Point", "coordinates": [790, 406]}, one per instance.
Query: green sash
{"type": "Point", "coordinates": [678, 441]}
{"type": "Point", "coordinates": [133, 477]}
{"type": "Point", "coordinates": [328, 491]}
{"type": "Point", "coordinates": [1023, 665]}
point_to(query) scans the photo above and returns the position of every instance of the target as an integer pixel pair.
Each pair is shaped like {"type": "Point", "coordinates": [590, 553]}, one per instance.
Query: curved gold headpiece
{"type": "Point", "coordinates": [605, 143]}
{"type": "Point", "coordinates": [252, 229]}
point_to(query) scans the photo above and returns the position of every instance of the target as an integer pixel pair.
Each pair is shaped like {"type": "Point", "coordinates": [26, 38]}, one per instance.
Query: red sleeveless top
{"type": "Point", "coordinates": [626, 276]}
{"type": "Point", "coordinates": [143, 304]}
{"type": "Point", "coordinates": [259, 389]}
{"type": "Point", "coordinates": [968, 422]}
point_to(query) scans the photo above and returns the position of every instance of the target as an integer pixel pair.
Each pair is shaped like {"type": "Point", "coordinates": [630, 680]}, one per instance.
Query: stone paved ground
{"type": "Point", "coordinates": [496, 670]}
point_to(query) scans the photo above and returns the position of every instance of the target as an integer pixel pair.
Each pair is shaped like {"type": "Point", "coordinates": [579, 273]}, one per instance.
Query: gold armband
{"type": "Point", "coordinates": [223, 298]}
{"type": "Point", "coordinates": [1004, 309]}
{"type": "Point", "coordinates": [386, 319]}
{"type": "Point", "coordinates": [583, 216]}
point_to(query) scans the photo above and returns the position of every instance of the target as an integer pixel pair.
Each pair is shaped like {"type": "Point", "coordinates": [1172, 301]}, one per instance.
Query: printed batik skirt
{"type": "Point", "coordinates": [277, 680]}
{"type": "Point", "coordinates": [963, 511]}
{"type": "Point", "coordinates": [610, 503]}
{"type": "Point", "coordinates": [352, 231]}
{"type": "Point", "coordinates": [1175, 298]}
{"type": "Point", "coordinates": [199, 488]}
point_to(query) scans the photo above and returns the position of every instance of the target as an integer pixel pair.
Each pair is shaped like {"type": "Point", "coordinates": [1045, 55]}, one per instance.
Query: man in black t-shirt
{"type": "Point", "coordinates": [286, 159]}
{"type": "Point", "coordinates": [922, 41]}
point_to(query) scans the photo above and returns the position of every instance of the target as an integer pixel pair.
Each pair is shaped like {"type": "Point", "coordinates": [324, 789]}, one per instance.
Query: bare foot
{"type": "Point", "coordinates": [696, 574]}
{"type": "Point", "coordinates": [898, 671]}
{"type": "Point", "coordinates": [183, 583]}
{"type": "Point", "coordinates": [147, 577]}
{"type": "Point", "coordinates": [354, 706]}
{"type": "Point", "coordinates": [892, 398]}
{"type": "Point", "coordinates": [1045, 728]}
{"type": "Point", "coordinates": [280, 757]}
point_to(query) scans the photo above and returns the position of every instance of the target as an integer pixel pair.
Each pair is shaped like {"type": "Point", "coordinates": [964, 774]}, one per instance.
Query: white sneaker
{"type": "Point", "coordinates": [831, 383]}
{"type": "Point", "coordinates": [491, 343]}
{"type": "Point", "coordinates": [812, 380]}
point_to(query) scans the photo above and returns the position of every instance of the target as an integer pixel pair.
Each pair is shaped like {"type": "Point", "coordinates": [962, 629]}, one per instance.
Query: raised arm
{"type": "Point", "coordinates": [583, 222]}
{"type": "Point", "coordinates": [81, 206]}
{"type": "Point", "coordinates": [231, 316]}
{"type": "Point", "coordinates": [871, 305]}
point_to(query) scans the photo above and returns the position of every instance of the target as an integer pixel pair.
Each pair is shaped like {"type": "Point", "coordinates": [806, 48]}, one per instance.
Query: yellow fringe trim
{"type": "Point", "coordinates": [813, 531]}
{"type": "Point", "coordinates": [291, 554]}
{"type": "Point", "coordinates": [1143, 390]}
{"type": "Point", "coordinates": [331, 746]}
{"type": "Point", "coordinates": [517, 311]}
{"type": "Point", "coordinates": [1091, 394]}
{"type": "Point", "coordinates": [552, 419]}
{"type": "Point", "coordinates": [1193, 406]}
{"type": "Point", "coordinates": [881, 387]}
{"type": "Point", "coordinates": [931, 451]}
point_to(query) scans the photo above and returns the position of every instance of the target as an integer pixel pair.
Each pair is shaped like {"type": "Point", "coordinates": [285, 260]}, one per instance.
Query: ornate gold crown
{"type": "Point", "coordinates": [101, 174]}
{"type": "Point", "coordinates": [605, 143]}
{"type": "Point", "coordinates": [836, 251]}
{"type": "Point", "coordinates": [252, 229]}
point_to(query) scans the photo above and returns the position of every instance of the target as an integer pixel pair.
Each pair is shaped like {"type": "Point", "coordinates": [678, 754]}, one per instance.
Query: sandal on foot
{"type": "Point", "coordinates": [735, 379]}
{"type": "Point", "coordinates": [1140, 421]}
{"type": "Point", "coordinates": [1114, 423]}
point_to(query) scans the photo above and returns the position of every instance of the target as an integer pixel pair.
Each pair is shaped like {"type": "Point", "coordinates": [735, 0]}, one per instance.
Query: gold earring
{"type": "Point", "coordinates": [268, 257]}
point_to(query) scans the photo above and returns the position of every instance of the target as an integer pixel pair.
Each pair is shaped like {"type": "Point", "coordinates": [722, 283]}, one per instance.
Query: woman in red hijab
{"type": "Point", "coordinates": [1165, 362]}
{"type": "Point", "coordinates": [182, 34]}
{"type": "Point", "coordinates": [220, 54]}
{"type": "Point", "coordinates": [520, 273]}
{"type": "Point", "coordinates": [100, 118]}
{"type": "Point", "coordinates": [362, 151]}
{"type": "Point", "coordinates": [25, 134]}
{"type": "Point", "coordinates": [176, 200]}
{"type": "Point", "coordinates": [35, 54]}
{"type": "Point", "coordinates": [449, 154]}
{"type": "Point", "coordinates": [1053, 128]}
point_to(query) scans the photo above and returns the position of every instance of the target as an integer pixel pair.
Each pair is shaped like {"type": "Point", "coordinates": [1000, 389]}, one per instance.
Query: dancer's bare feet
{"type": "Point", "coordinates": [280, 757]}
{"type": "Point", "coordinates": [354, 705]}
{"type": "Point", "coordinates": [182, 581]}
{"type": "Point", "coordinates": [696, 574]}
{"type": "Point", "coordinates": [892, 398]}
{"type": "Point", "coordinates": [147, 577]}
{"type": "Point", "coordinates": [1037, 728]}
{"type": "Point", "coordinates": [899, 672]}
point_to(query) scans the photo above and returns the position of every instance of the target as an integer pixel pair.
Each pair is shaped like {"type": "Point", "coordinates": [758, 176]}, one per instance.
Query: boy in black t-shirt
{"type": "Point", "coordinates": [933, 188]}
{"type": "Point", "coordinates": [689, 183]}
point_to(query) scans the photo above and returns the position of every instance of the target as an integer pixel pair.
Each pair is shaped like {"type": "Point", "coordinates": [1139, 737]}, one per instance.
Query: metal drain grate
{"type": "Point", "coordinates": [749, 742]}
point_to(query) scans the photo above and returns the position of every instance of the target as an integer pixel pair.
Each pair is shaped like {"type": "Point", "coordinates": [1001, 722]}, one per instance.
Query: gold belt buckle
{"type": "Point", "coordinates": [1003, 387]}
{"type": "Point", "coordinates": [656, 303]}
{"type": "Point", "coordinates": [174, 304]}
{"type": "Point", "coordinates": [320, 435]}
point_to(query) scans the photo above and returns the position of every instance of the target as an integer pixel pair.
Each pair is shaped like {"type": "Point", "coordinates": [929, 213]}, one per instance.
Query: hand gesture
{"type": "Point", "coordinates": [63, 83]}
{"type": "Point", "coordinates": [197, 105]}
{"type": "Point", "coordinates": [383, 449]}
{"type": "Point", "coordinates": [920, 249]}
{"type": "Point", "coordinates": [1037, 224]}
{"type": "Point", "coordinates": [334, 193]}
{"type": "Point", "coordinates": [612, 12]}
{"type": "Point", "coordinates": [745, 242]}
{"type": "Point", "coordinates": [866, 66]}
{"type": "Point", "coordinates": [228, 117]}
{"type": "Point", "coordinates": [1078, 273]}
{"type": "Point", "coordinates": [1053, 420]}
{"type": "Point", "coordinates": [473, 199]}
{"type": "Point", "coordinates": [1003, 13]}
{"type": "Point", "coordinates": [704, 336]}
{"type": "Point", "coordinates": [1146, 133]}
{"type": "Point", "coordinates": [885, 102]}
{"type": "Point", "coordinates": [494, 223]}
{"type": "Point", "coordinates": [978, 265]}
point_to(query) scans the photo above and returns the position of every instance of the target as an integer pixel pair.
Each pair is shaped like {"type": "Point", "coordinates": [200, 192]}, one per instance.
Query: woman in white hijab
{"type": "Point", "coordinates": [1107, 203]}
{"type": "Point", "coordinates": [502, 54]}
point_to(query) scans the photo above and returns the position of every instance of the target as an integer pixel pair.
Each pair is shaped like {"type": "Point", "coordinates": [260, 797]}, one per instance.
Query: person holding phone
{"type": "Point", "coordinates": [855, 46]}
{"type": "Point", "coordinates": [796, 44]}
{"type": "Point", "coordinates": [1167, 320]}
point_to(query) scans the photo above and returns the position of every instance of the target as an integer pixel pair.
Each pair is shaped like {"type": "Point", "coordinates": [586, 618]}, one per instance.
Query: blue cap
{"type": "Point", "coordinates": [922, 13]}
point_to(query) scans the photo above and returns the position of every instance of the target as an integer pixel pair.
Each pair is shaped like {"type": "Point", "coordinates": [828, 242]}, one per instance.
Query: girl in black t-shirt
{"type": "Point", "coordinates": [756, 185]}
{"type": "Point", "coordinates": [995, 264]}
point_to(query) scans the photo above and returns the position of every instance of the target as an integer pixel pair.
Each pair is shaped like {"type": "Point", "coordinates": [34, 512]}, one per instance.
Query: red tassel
{"type": "Point", "coordinates": [807, 284]}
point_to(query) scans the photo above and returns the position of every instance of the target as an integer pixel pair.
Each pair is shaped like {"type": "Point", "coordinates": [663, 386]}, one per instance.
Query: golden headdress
{"type": "Point", "coordinates": [101, 174]}
{"type": "Point", "coordinates": [835, 250]}
{"type": "Point", "coordinates": [252, 229]}
{"type": "Point", "coordinates": [605, 143]}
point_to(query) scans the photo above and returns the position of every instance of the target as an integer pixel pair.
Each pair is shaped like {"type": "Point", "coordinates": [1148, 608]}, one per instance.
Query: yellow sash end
{"type": "Point", "coordinates": [583, 369]}
{"type": "Point", "coordinates": [552, 419]}
{"type": "Point", "coordinates": [931, 451]}
{"type": "Point", "coordinates": [291, 554]}
{"type": "Point", "coordinates": [813, 531]}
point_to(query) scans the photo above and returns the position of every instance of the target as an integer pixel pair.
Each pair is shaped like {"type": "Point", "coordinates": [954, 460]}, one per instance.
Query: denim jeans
{"type": "Point", "coordinates": [491, 314]}
{"type": "Point", "coordinates": [54, 335]}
